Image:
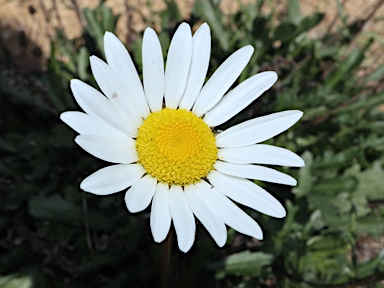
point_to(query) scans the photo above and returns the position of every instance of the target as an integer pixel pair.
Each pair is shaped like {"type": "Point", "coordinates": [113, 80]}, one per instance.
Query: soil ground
{"type": "Point", "coordinates": [27, 26]}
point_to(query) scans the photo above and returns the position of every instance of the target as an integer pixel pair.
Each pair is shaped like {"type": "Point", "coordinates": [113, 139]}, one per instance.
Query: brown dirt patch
{"type": "Point", "coordinates": [27, 27]}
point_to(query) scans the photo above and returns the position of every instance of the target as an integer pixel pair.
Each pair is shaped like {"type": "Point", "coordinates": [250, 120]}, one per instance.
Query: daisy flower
{"type": "Point", "coordinates": [160, 136]}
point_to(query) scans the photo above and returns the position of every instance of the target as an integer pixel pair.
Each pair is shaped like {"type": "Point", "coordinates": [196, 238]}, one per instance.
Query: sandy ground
{"type": "Point", "coordinates": [27, 26]}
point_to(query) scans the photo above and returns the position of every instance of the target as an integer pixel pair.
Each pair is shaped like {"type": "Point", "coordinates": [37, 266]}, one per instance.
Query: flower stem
{"type": "Point", "coordinates": [165, 260]}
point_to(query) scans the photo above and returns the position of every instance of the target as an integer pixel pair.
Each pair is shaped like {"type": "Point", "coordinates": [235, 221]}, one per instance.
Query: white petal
{"type": "Point", "coordinates": [96, 104]}
{"type": "Point", "coordinates": [258, 130]}
{"type": "Point", "coordinates": [221, 80]}
{"type": "Point", "coordinates": [108, 149]}
{"type": "Point", "coordinates": [204, 211]}
{"type": "Point", "coordinates": [232, 215]}
{"type": "Point", "coordinates": [260, 154]}
{"type": "Point", "coordinates": [160, 213]}
{"type": "Point", "coordinates": [182, 217]}
{"type": "Point", "coordinates": [201, 51]}
{"type": "Point", "coordinates": [255, 172]}
{"type": "Point", "coordinates": [120, 61]}
{"type": "Point", "coordinates": [140, 194]}
{"type": "Point", "coordinates": [153, 70]}
{"type": "Point", "coordinates": [112, 179]}
{"type": "Point", "coordinates": [113, 88]}
{"type": "Point", "coordinates": [178, 62]}
{"type": "Point", "coordinates": [85, 124]}
{"type": "Point", "coordinates": [247, 193]}
{"type": "Point", "coordinates": [240, 97]}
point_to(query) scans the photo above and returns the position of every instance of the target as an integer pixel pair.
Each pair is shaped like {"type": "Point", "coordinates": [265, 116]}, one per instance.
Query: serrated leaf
{"type": "Point", "coordinates": [305, 176]}
{"type": "Point", "coordinates": [326, 243]}
{"type": "Point", "coordinates": [331, 187]}
{"type": "Point", "coordinates": [371, 182]}
{"type": "Point", "coordinates": [372, 225]}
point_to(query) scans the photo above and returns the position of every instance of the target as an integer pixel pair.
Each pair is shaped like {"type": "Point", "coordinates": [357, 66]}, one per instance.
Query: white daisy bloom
{"type": "Point", "coordinates": [160, 136]}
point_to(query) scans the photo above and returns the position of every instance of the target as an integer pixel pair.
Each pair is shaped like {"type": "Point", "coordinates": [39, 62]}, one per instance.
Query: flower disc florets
{"type": "Point", "coordinates": [176, 147]}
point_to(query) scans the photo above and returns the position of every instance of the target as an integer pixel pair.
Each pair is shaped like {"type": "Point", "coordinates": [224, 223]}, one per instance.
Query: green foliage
{"type": "Point", "coordinates": [243, 264]}
{"type": "Point", "coordinates": [57, 236]}
{"type": "Point", "coordinates": [13, 281]}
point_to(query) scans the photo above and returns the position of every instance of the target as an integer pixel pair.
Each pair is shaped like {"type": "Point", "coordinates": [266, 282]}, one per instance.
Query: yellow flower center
{"type": "Point", "coordinates": [176, 147]}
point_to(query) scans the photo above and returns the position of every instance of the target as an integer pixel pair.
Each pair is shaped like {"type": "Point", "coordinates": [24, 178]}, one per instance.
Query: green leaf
{"type": "Point", "coordinates": [346, 67]}
{"type": "Point", "coordinates": [371, 182]}
{"type": "Point", "coordinates": [372, 225]}
{"type": "Point", "coordinates": [371, 266]}
{"type": "Point", "coordinates": [376, 75]}
{"type": "Point", "coordinates": [305, 176]}
{"type": "Point", "coordinates": [329, 187]}
{"type": "Point", "coordinates": [328, 242]}
{"type": "Point", "coordinates": [94, 28]}
{"type": "Point", "coordinates": [83, 63]}
{"type": "Point", "coordinates": [294, 14]}
{"type": "Point", "coordinates": [285, 32]}
{"type": "Point", "coordinates": [309, 22]}
{"type": "Point", "coordinates": [15, 281]}
{"type": "Point", "coordinates": [213, 17]}
{"type": "Point", "coordinates": [171, 14]}
{"type": "Point", "coordinates": [243, 263]}
{"type": "Point", "coordinates": [107, 18]}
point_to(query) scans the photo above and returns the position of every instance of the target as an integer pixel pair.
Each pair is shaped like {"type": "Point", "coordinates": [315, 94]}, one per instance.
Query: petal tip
{"type": "Point", "coordinates": [93, 60]}
{"type": "Point", "coordinates": [259, 235]}
{"type": "Point", "coordinates": [62, 116]}
{"type": "Point", "coordinates": [222, 243]}
{"type": "Point", "coordinates": [108, 34]}
{"type": "Point", "coordinates": [205, 27]}
{"type": "Point", "coordinates": [74, 82]}
{"type": "Point", "coordinates": [185, 248]}
{"type": "Point", "coordinates": [158, 239]}
{"type": "Point", "coordinates": [281, 213]}
{"type": "Point", "coordinates": [301, 113]}
{"type": "Point", "coordinates": [184, 25]}
{"type": "Point", "coordinates": [129, 208]}
{"type": "Point", "coordinates": [183, 28]}
{"type": "Point", "coordinates": [78, 139]}
{"type": "Point", "coordinates": [149, 30]}
{"type": "Point", "coordinates": [274, 75]}
{"type": "Point", "coordinates": [249, 49]}
{"type": "Point", "coordinates": [83, 185]}
{"type": "Point", "coordinates": [293, 182]}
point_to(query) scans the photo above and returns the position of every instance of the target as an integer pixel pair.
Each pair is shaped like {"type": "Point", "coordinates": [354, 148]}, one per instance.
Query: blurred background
{"type": "Point", "coordinates": [330, 61]}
